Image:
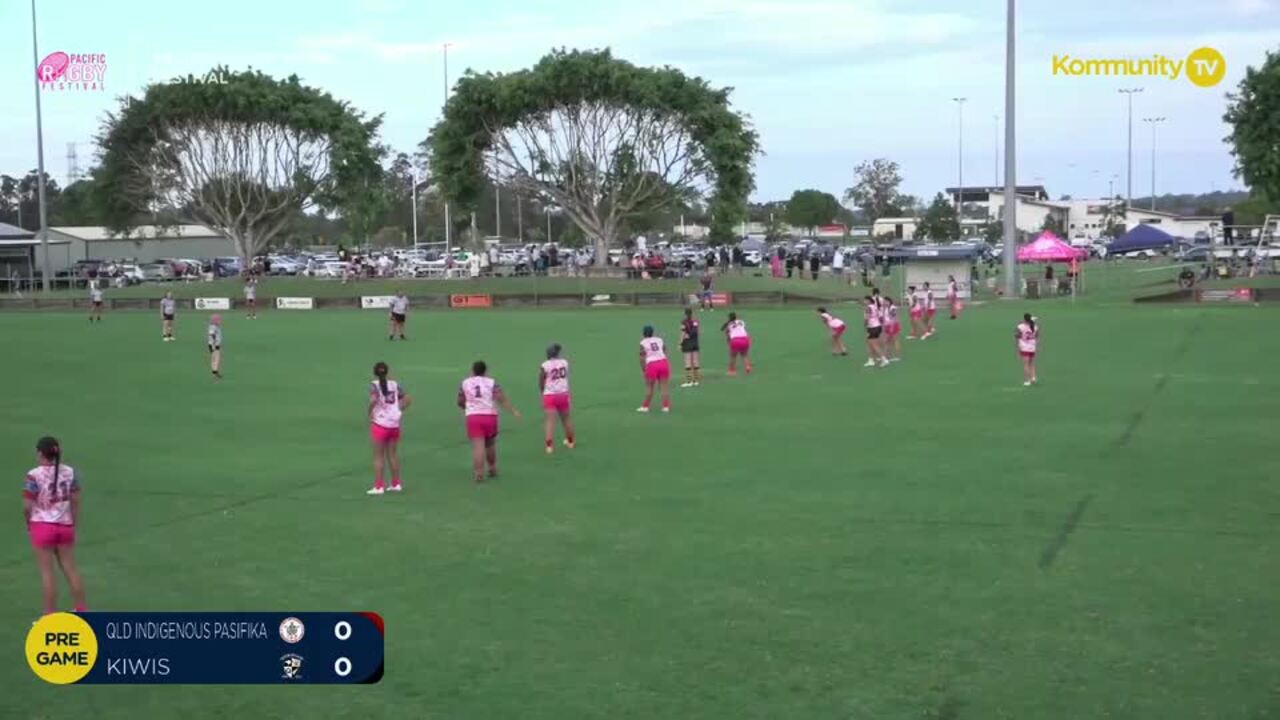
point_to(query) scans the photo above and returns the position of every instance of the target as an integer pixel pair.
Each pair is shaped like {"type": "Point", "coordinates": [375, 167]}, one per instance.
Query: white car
{"type": "Point", "coordinates": [752, 258]}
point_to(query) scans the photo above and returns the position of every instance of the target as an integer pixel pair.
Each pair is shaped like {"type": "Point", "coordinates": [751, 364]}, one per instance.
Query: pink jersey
{"type": "Point", "coordinates": [832, 321]}
{"type": "Point", "coordinates": [892, 314]}
{"type": "Point", "coordinates": [654, 349]}
{"type": "Point", "coordinates": [386, 406]}
{"type": "Point", "coordinates": [557, 374]}
{"type": "Point", "coordinates": [1028, 337]}
{"type": "Point", "coordinates": [928, 300]}
{"type": "Point", "coordinates": [52, 495]}
{"type": "Point", "coordinates": [479, 393]}
{"type": "Point", "coordinates": [953, 290]}
{"type": "Point", "coordinates": [738, 329]}
{"type": "Point", "coordinates": [871, 315]}
{"type": "Point", "coordinates": [917, 302]}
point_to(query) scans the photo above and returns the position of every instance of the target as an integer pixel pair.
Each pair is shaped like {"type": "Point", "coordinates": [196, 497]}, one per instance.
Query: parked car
{"type": "Point", "coordinates": [131, 273]}
{"type": "Point", "coordinates": [752, 258]}
{"type": "Point", "coordinates": [155, 272]}
{"type": "Point", "coordinates": [284, 265]}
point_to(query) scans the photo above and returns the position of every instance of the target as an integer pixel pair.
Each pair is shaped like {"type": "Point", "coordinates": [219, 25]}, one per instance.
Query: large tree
{"type": "Point", "coordinates": [244, 155]}
{"type": "Point", "coordinates": [876, 192]}
{"type": "Point", "coordinates": [939, 220]}
{"type": "Point", "coordinates": [598, 137]}
{"type": "Point", "coordinates": [810, 209]}
{"type": "Point", "coordinates": [1253, 112]}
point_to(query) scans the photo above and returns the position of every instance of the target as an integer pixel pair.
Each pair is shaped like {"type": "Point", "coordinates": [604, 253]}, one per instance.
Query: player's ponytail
{"type": "Point", "coordinates": [50, 449]}
{"type": "Point", "coordinates": [553, 351]}
{"type": "Point", "coordinates": [1030, 321]}
{"type": "Point", "coordinates": [380, 371]}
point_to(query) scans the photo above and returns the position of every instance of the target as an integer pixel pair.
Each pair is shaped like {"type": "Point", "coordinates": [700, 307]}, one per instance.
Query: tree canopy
{"type": "Point", "coordinates": [938, 221]}
{"type": "Point", "coordinates": [601, 139]}
{"type": "Point", "coordinates": [811, 209]}
{"type": "Point", "coordinates": [1253, 112]}
{"type": "Point", "coordinates": [876, 192]}
{"type": "Point", "coordinates": [244, 155]}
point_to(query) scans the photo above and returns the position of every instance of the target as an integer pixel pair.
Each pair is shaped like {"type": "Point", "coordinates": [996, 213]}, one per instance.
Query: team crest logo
{"type": "Point", "coordinates": [291, 665]}
{"type": "Point", "coordinates": [292, 630]}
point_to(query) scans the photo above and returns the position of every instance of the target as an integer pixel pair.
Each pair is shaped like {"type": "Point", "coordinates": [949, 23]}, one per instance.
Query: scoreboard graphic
{"type": "Point", "coordinates": [211, 648]}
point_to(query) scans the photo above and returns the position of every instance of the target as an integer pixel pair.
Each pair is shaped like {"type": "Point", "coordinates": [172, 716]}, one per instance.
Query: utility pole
{"type": "Point", "coordinates": [448, 222]}
{"type": "Point", "coordinates": [959, 101]}
{"type": "Point", "coordinates": [1153, 121]}
{"type": "Point", "coordinates": [1010, 155]}
{"type": "Point", "coordinates": [46, 271]}
{"type": "Point", "coordinates": [1129, 93]}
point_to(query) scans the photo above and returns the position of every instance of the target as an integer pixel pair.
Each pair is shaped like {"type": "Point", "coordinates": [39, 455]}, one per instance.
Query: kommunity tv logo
{"type": "Point", "coordinates": [1204, 67]}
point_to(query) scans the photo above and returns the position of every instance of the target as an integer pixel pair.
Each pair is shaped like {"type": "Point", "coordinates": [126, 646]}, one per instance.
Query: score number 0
{"type": "Point", "coordinates": [342, 631]}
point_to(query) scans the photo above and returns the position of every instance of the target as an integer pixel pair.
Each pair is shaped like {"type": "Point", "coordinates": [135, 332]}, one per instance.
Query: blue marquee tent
{"type": "Point", "coordinates": [1141, 237]}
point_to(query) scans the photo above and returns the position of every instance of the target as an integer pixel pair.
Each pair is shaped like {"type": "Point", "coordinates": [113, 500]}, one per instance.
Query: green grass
{"type": "Point", "coordinates": [815, 541]}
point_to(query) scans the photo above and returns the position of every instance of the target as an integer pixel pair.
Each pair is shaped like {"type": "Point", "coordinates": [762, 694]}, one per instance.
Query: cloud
{"type": "Point", "coordinates": [1249, 8]}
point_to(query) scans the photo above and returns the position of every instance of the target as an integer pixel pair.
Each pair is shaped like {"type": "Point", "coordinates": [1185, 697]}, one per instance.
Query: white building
{"type": "Point", "coordinates": [145, 243]}
{"type": "Point", "coordinates": [901, 228]}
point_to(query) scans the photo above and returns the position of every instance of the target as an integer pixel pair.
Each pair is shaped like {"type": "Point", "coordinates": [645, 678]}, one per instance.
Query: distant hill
{"type": "Point", "coordinates": [1214, 203]}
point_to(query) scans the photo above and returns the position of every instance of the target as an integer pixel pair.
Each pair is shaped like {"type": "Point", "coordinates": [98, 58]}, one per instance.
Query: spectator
{"type": "Point", "coordinates": [724, 259]}
{"type": "Point", "coordinates": [815, 265]}
{"type": "Point", "coordinates": [837, 263]}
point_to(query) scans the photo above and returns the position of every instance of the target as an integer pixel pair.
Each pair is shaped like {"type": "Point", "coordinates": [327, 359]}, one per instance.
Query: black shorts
{"type": "Point", "coordinates": [874, 333]}
{"type": "Point", "coordinates": [689, 346]}
{"type": "Point", "coordinates": [167, 318]}
{"type": "Point", "coordinates": [214, 348]}
{"type": "Point", "coordinates": [97, 303]}
{"type": "Point", "coordinates": [397, 317]}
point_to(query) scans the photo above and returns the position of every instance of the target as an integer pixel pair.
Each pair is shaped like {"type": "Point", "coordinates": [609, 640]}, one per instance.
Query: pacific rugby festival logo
{"type": "Point", "coordinates": [1204, 67]}
{"type": "Point", "coordinates": [73, 71]}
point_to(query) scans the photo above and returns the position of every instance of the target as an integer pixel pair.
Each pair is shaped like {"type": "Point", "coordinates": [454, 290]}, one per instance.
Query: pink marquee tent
{"type": "Point", "coordinates": [1050, 248]}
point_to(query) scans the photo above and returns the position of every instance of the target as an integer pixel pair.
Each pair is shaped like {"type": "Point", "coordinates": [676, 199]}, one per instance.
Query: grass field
{"type": "Point", "coordinates": [815, 541]}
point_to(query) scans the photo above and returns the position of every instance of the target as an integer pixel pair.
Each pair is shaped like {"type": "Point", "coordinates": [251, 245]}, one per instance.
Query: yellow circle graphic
{"type": "Point", "coordinates": [1206, 67]}
{"type": "Point", "coordinates": [61, 648]}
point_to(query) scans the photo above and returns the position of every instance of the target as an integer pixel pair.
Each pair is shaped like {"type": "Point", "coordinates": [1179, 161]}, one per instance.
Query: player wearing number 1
{"type": "Point", "coordinates": [553, 380]}
{"type": "Point", "coordinates": [479, 397]}
{"type": "Point", "coordinates": [51, 506]}
{"type": "Point", "coordinates": [656, 368]}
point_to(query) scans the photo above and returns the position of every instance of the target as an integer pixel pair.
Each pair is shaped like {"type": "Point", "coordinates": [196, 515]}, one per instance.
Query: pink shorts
{"type": "Point", "coordinates": [482, 427]}
{"type": "Point", "coordinates": [740, 346]}
{"type": "Point", "coordinates": [1030, 355]}
{"type": "Point", "coordinates": [383, 435]}
{"type": "Point", "coordinates": [917, 314]}
{"type": "Point", "coordinates": [556, 402]}
{"type": "Point", "coordinates": [931, 312]}
{"type": "Point", "coordinates": [839, 331]}
{"type": "Point", "coordinates": [657, 370]}
{"type": "Point", "coordinates": [51, 535]}
{"type": "Point", "coordinates": [893, 329]}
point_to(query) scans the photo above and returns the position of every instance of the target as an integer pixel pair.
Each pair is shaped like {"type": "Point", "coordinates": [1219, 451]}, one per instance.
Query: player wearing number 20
{"type": "Point", "coordinates": [51, 504]}
{"type": "Point", "coordinates": [553, 379]}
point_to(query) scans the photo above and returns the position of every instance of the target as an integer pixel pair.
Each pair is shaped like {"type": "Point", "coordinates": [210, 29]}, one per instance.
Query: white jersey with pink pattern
{"type": "Point", "coordinates": [1028, 337]}
{"type": "Point", "coordinates": [556, 371]}
{"type": "Point", "coordinates": [832, 321]}
{"type": "Point", "coordinates": [52, 495]}
{"type": "Point", "coordinates": [386, 405]}
{"type": "Point", "coordinates": [654, 349]}
{"type": "Point", "coordinates": [738, 329]}
{"type": "Point", "coordinates": [871, 316]}
{"type": "Point", "coordinates": [480, 394]}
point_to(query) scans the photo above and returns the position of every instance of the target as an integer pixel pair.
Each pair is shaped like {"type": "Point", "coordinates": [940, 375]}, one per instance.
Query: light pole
{"type": "Point", "coordinates": [548, 223]}
{"type": "Point", "coordinates": [45, 270]}
{"type": "Point", "coordinates": [1010, 155]}
{"type": "Point", "coordinates": [1154, 121]}
{"type": "Point", "coordinates": [448, 222]}
{"type": "Point", "coordinates": [497, 198]}
{"type": "Point", "coordinates": [413, 178]}
{"type": "Point", "coordinates": [1130, 92]}
{"type": "Point", "coordinates": [519, 218]}
{"type": "Point", "coordinates": [959, 101]}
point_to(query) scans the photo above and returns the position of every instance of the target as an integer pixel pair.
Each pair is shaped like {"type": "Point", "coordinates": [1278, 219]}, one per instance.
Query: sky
{"type": "Point", "coordinates": [825, 83]}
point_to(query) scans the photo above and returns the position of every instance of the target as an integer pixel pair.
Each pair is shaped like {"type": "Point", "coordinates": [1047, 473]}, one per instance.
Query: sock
{"type": "Point", "coordinates": [666, 403]}
{"type": "Point", "coordinates": [646, 402]}
{"type": "Point", "coordinates": [50, 611]}
{"type": "Point", "coordinates": [377, 482]}
{"type": "Point", "coordinates": [81, 608]}
{"type": "Point", "coordinates": [551, 442]}
{"type": "Point", "coordinates": [395, 481]}
{"type": "Point", "coordinates": [569, 437]}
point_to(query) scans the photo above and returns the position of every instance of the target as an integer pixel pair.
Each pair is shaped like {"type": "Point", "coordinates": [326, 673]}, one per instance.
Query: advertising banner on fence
{"type": "Point", "coordinates": [287, 303]}
{"type": "Point", "coordinates": [213, 303]}
{"type": "Point", "coordinates": [1238, 295]}
{"type": "Point", "coordinates": [376, 302]}
{"type": "Point", "coordinates": [602, 300]}
{"type": "Point", "coordinates": [717, 299]}
{"type": "Point", "coordinates": [470, 301]}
